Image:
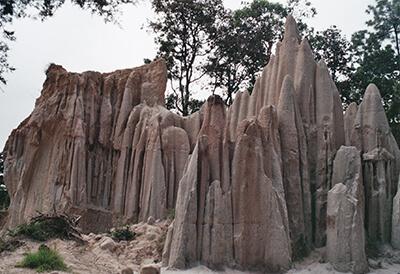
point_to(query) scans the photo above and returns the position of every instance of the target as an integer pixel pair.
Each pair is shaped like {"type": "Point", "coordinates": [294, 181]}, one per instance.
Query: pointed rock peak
{"type": "Point", "coordinates": [372, 91]}
{"type": "Point", "coordinates": [372, 98]}
{"type": "Point", "coordinates": [291, 29]}
{"type": "Point", "coordinates": [372, 109]}
{"type": "Point", "coordinates": [351, 111]}
{"type": "Point", "coordinates": [214, 117]}
{"type": "Point", "coordinates": [215, 100]}
{"type": "Point", "coordinates": [54, 68]}
{"type": "Point", "coordinates": [353, 106]}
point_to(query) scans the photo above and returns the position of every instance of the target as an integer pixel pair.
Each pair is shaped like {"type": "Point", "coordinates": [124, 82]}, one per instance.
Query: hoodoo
{"type": "Point", "coordinates": [254, 186]}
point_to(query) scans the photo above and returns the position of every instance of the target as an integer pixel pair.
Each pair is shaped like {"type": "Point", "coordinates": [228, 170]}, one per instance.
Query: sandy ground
{"type": "Point", "coordinates": [94, 257]}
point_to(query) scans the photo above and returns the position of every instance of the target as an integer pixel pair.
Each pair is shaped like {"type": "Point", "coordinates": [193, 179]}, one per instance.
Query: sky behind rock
{"type": "Point", "coordinates": [79, 41]}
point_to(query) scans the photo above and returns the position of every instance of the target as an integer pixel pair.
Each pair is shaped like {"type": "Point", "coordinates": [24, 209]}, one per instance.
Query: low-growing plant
{"type": "Point", "coordinates": [42, 230]}
{"type": "Point", "coordinates": [123, 234]}
{"type": "Point", "coordinates": [45, 259]}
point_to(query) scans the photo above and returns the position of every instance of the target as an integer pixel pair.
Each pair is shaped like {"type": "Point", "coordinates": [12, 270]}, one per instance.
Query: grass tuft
{"type": "Point", "coordinates": [45, 259]}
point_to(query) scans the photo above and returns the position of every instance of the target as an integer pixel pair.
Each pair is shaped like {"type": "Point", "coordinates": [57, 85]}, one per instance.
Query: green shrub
{"type": "Point", "coordinates": [45, 259]}
{"type": "Point", "coordinates": [4, 197]}
{"type": "Point", "coordinates": [42, 230]}
{"type": "Point", "coordinates": [123, 234]}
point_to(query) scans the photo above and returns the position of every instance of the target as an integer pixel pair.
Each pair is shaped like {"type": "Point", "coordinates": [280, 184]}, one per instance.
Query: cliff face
{"type": "Point", "coordinates": [99, 145]}
{"type": "Point", "coordinates": [255, 185]}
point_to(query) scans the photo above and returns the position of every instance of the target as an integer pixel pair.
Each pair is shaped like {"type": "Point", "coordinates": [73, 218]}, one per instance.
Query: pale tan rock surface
{"type": "Point", "coordinates": [371, 134]}
{"type": "Point", "coordinates": [321, 112]}
{"type": "Point", "coordinates": [98, 145]}
{"type": "Point", "coordinates": [296, 179]}
{"type": "Point", "coordinates": [345, 214]}
{"type": "Point", "coordinates": [248, 184]}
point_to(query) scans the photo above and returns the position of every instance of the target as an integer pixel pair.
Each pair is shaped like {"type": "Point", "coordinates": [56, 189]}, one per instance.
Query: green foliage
{"type": "Point", "coordinates": [4, 197]}
{"type": "Point", "coordinates": [372, 56]}
{"type": "Point", "coordinates": [386, 21]}
{"type": "Point", "coordinates": [201, 40]}
{"type": "Point", "coordinates": [123, 234]}
{"type": "Point", "coordinates": [184, 30]}
{"type": "Point", "coordinates": [43, 229]}
{"type": "Point", "coordinates": [171, 214]}
{"type": "Point", "coordinates": [377, 59]}
{"type": "Point", "coordinates": [331, 46]}
{"type": "Point", "coordinates": [172, 102]}
{"type": "Point", "coordinates": [243, 45]}
{"type": "Point", "coordinates": [45, 259]}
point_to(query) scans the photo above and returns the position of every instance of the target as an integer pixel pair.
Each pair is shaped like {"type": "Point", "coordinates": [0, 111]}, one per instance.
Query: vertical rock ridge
{"type": "Point", "coordinates": [345, 222]}
{"type": "Point", "coordinates": [295, 171]}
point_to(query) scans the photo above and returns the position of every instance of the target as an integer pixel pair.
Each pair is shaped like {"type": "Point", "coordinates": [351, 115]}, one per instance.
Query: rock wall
{"type": "Point", "coordinates": [99, 145]}
{"type": "Point", "coordinates": [253, 186]}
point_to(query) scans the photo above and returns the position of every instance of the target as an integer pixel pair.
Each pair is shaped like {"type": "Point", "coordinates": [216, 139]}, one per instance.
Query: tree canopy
{"type": "Point", "coordinates": [244, 45]}
{"type": "Point", "coordinates": [184, 31]}
{"type": "Point", "coordinates": [206, 44]}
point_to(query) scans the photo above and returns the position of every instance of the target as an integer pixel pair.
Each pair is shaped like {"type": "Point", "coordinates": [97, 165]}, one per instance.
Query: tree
{"type": "Point", "coordinates": [331, 46]}
{"type": "Point", "coordinates": [386, 21]}
{"type": "Point", "coordinates": [42, 9]}
{"type": "Point", "coordinates": [379, 65]}
{"type": "Point", "coordinates": [184, 29]}
{"type": "Point", "coordinates": [245, 42]}
{"type": "Point", "coordinates": [4, 198]}
{"type": "Point", "coordinates": [244, 45]}
{"type": "Point", "coordinates": [193, 104]}
{"type": "Point", "coordinates": [377, 59]}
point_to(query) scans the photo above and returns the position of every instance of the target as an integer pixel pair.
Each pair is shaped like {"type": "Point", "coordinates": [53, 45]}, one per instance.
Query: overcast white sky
{"type": "Point", "coordinates": [79, 41]}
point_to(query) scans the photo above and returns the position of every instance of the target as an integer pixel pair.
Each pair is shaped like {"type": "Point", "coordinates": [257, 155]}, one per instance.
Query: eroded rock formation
{"type": "Point", "coordinates": [345, 216]}
{"type": "Point", "coordinates": [249, 184]}
{"type": "Point", "coordinates": [99, 145]}
{"type": "Point", "coordinates": [381, 159]}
